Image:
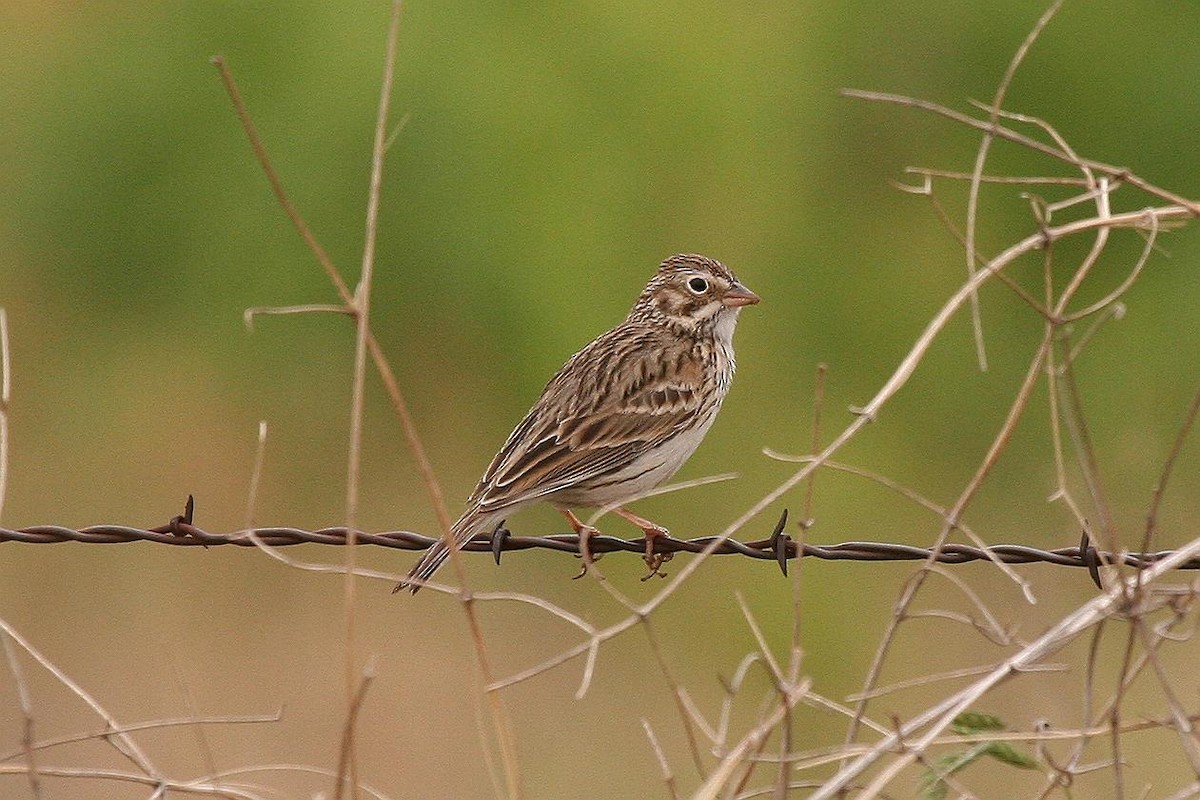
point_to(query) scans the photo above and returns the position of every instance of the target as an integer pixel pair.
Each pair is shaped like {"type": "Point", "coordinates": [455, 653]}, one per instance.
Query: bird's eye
{"type": "Point", "coordinates": [697, 285]}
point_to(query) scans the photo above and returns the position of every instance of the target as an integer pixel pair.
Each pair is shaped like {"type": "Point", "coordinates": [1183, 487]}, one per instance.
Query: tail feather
{"type": "Point", "coordinates": [468, 526]}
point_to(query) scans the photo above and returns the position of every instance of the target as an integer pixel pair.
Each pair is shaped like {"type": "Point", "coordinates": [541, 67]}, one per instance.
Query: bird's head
{"type": "Point", "coordinates": [694, 294]}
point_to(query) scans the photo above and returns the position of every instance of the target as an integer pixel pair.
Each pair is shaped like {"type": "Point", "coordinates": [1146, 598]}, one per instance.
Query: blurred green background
{"type": "Point", "coordinates": [553, 155]}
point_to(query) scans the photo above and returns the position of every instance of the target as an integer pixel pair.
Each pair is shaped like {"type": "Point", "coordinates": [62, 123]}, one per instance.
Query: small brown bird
{"type": "Point", "coordinates": [622, 415]}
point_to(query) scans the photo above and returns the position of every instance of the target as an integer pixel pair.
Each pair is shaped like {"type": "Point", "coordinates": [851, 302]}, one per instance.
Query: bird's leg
{"type": "Point", "coordinates": [651, 531]}
{"type": "Point", "coordinates": [585, 533]}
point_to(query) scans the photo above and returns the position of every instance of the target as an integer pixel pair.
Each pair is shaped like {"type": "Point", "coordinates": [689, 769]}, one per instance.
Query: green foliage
{"type": "Point", "coordinates": [971, 723]}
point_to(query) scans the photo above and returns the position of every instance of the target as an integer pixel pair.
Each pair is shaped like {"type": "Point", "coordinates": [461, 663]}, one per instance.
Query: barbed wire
{"type": "Point", "coordinates": [778, 547]}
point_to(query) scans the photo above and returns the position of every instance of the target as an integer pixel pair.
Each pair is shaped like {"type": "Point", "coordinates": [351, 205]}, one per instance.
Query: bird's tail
{"type": "Point", "coordinates": [468, 526]}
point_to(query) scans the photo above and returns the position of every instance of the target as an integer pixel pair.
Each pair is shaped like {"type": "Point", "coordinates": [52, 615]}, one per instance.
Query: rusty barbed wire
{"type": "Point", "coordinates": [778, 547]}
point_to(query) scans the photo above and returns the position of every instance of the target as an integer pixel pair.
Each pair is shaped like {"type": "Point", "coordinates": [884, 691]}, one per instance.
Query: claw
{"type": "Point", "coordinates": [585, 533]}
{"type": "Point", "coordinates": [655, 561]}
{"type": "Point", "coordinates": [652, 533]}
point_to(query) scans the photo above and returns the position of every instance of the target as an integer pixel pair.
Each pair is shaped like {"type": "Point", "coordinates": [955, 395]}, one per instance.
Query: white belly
{"type": "Point", "coordinates": [645, 473]}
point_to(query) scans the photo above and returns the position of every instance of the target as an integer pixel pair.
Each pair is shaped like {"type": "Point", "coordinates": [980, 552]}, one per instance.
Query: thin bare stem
{"type": "Point", "coordinates": [1003, 277]}
{"type": "Point", "coordinates": [991, 627]}
{"type": "Point", "coordinates": [197, 731]}
{"type": "Point", "coordinates": [160, 786]}
{"type": "Point", "coordinates": [260, 457]}
{"type": "Point", "coordinates": [26, 704]}
{"type": "Point", "coordinates": [677, 694]}
{"type": "Point", "coordinates": [1119, 173]}
{"type": "Point", "coordinates": [796, 653]}
{"type": "Point", "coordinates": [347, 744]}
{"type": "Point", "coordinates": [1103, 210]}
{"type": "Point", "coordinates": [732, 687]}
{"type": "Point", "coordinates": [119, 739]}
{"type": "Point", "coordinates": [362, 319]}
{"type": "Point", "coordinates": [251, 314]}
{"type": "Point", "coordinates": [5, 399]}
{"type": "Point", "coordinates": [941, 511]}
{"type": "Point", "coordinates": [1188, 738]}
{"type": "Point", "coordinates": [303, 769]}
{"type": "Point", "coordinates": [999, 445]}
{"type": "Point", "coordinates": [1168, 469]}
{"type": "Point", "coordinates": [173, 722]}
{"type": "Point", "coordinates": [1010, 180]}
{"type": "Point", "coordinates": [667, 775]}
{"type": "Point", "coordinates": [1062, 490]}
{"type": "Point", "coordinates": [777, 675]}
{"type": "Point", "coordinates": [273, 179]}
{"type": "Point", "coordinates": [912, 587]}
{"type": "Point", "coordinates": [1076, 426]}
{"type": "Point", "coordinates": [1089, 179]}
{"type": "Point", "coordinates": [723, 775]}
{"type": "Point", "coordinates": [981, 158]}
{"type": "Point", "coordinates": [387, 376]}
{"type": "Point", "coordinates": [924, 680]}
{"type": "Point", "coordinates": [937, 718]}
{"type": "Point", "coordinates": [1112, 312]}
{"type": "Point", "coordinates": [814, 443]}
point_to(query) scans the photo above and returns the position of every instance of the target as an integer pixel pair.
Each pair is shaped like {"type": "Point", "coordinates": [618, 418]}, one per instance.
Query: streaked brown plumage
{"type": "Point", "coordinates": [623, 414]}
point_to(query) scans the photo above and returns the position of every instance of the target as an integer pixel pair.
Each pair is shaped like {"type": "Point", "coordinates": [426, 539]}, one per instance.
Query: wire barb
{"type": "Point", "coordinates": [780, 542]}
{"type": "Point", "coordinates": [1090, 558]}
{"type": "Point", "coordinates": [499, 537]}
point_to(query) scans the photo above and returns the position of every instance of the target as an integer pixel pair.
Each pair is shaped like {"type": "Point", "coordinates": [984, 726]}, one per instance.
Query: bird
{"type": "Point", "coordinates": [621, 416]}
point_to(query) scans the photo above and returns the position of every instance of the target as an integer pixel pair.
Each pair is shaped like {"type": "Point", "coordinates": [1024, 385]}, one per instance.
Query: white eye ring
{"type": "Point", "coordinates": [697, 285]}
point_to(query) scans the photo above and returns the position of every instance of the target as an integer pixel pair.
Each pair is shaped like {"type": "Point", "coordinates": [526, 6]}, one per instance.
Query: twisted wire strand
{"type": "Point", "coordinates": [778, 547]}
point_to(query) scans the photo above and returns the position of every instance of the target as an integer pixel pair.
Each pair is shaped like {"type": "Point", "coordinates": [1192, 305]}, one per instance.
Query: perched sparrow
{"type": "Point", "coordinates": [622, 415]}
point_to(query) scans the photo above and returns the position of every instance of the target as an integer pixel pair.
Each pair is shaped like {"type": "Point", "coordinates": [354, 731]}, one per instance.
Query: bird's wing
{"type": "Point", "coordinates": [627, 392]}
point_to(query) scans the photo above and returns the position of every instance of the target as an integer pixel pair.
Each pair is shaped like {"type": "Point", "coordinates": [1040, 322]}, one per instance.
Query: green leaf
{"type": "Point", "coordinates": [1003, 751]}
{"type": "Point", "coordinates": [933, 784]}
{"type": "Point", "coordinates": [970, 723]}
{"type": "Point", "coordinates": [933, 780]}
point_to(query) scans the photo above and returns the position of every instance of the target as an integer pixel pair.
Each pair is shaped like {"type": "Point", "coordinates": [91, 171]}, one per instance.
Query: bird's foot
{"type": "Point", "coordinates": [655, 560]}
{"type": "Point", "coordinates": [585, 532]}
{"type": "Point", "coordinates": [652, 533]}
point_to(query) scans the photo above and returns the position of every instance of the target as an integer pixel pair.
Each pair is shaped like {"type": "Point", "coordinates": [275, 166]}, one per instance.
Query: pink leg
{"type": "Point", "coordinates": [585, 532]}
{"type": "Point", "coordinates": [652, 531]}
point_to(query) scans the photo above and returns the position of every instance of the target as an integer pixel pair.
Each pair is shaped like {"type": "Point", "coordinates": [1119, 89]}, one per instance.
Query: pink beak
{"type": "Point", "coordinates": [739, 295]}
